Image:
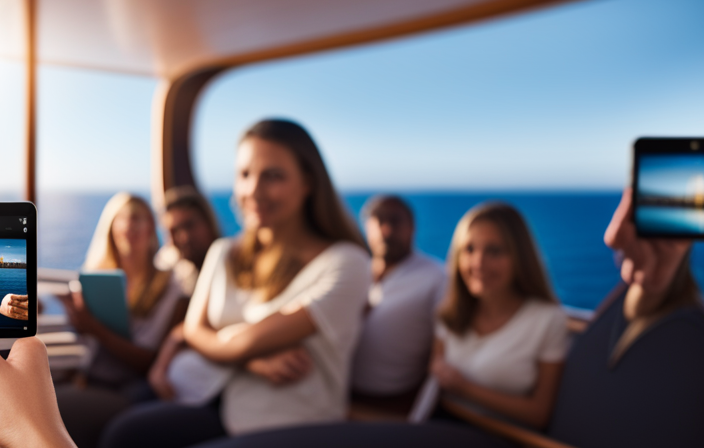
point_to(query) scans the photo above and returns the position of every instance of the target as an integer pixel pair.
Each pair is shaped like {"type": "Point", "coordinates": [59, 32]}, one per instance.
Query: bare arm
{"type": "Point", "coordinates": [172, 344]}
{"type": "Point", "coordinates": [138, 358]}
{"type": "Point", "coordinates": [533, 409]}
{"type": "Point", "coordinates": [274, 333]}
{"type": "Point", "coordinates": [339, 291]}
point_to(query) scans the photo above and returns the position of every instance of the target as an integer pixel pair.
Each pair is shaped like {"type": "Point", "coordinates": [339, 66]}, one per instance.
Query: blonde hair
{"type": "Point", "coordinates": [102, 252]}
{"type": "Point", "coordinates": [530, 280]}
{"type": "Point", "coordinates": [325, 214]}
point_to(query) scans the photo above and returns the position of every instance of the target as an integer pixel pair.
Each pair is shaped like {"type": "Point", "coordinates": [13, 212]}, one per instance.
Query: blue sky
{"type": "Point", "coordinates": [547, 100]}
{"type": "Point", "coordinates": [13, 250]}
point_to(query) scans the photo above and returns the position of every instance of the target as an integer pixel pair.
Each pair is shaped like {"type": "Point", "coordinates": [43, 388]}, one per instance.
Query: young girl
{"type": "Point", "coordinates": [502, 336]}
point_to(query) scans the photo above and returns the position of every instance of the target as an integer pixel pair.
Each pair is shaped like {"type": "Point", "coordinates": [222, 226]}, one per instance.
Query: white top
{"type": "Point", "coordinates": [332, 288]}
{"type": "Point", "coordinates": [147, 332]}
{"type": "Point", "coordinates": [168, 258]}
{"type": "Point", "coordinates": [506, 360]}
{"type": "Point", "coordinates": [394, 348]}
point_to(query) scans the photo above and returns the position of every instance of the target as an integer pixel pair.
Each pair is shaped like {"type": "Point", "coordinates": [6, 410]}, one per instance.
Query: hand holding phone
{"type": "Point", "coordinates": [28, 409]}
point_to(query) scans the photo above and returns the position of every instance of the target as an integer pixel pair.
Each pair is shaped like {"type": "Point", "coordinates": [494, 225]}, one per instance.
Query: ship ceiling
{"type": "Point", "coordinates": [168, 38]}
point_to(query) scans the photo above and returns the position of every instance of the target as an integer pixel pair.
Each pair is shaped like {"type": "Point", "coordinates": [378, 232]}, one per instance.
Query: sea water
{"type": "Point", "coordinates": [568, 228]}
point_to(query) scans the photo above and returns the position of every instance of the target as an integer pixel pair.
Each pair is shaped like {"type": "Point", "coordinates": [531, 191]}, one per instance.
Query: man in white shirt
{"type": "Point", "coordinates": [393, 351]}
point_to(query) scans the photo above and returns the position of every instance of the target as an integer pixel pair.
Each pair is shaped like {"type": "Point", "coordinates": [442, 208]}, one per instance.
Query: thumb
{"type": "Point", "coordinates": [29, 354]}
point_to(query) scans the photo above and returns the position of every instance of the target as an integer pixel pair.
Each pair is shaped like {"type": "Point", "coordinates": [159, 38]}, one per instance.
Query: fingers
{"type": "Point", "coordinates": [18, 302]}
{"type": "Point", "coordinates": [15, 306]}
{"type": "Point", "coordinates": [29, 355]}
{"type": "Point", "coordinates": [162, 387]}
{"type": "Point", "coordinates": [78, 301]}
{"type": "Point", "coordinates": [620, 229]}
{"type": "Point", "coordinates": [18, 313]}
{"type": "Point", "coordinates": [300, 361]}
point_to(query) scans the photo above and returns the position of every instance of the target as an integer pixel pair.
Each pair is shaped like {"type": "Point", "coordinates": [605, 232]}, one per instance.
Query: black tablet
{"type": "Point", "coordinates": [668, 187]}
{"type": "Point", "coordinates": [18, 269]}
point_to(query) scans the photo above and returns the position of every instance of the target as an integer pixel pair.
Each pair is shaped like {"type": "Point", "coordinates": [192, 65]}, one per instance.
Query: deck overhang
{"type": "Point", "coordinates": [186, 43]}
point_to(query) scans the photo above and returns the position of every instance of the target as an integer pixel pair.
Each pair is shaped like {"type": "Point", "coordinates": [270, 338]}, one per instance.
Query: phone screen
{"type": "Point", "coordinates": [18, 272]}
{"type": "Point", "coordinates": [669, 189]}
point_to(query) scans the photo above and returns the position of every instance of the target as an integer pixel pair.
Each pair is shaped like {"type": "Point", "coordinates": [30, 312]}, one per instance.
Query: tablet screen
{"type": "Point", "coordinates": [17, 270]}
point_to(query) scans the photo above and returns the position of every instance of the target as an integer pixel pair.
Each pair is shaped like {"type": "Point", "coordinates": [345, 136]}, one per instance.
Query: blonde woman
{"type": "Point", "coordinates": [124, 239]}
{"type": "Point", "coordinates": [502, 336]}
{"type": "Point", "coordinates": [276, 312]}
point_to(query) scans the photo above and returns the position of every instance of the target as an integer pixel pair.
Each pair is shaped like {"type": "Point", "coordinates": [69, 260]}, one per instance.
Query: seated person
{"type": "Point", "coordinates": [192, 228]}
{"type": "Point", "coordinates": [634, 378]}
{"type": "Point", "coordinates": [276, 312]}
{"type": "Point", "coordinates": [600, 403]}
{"type": "Point", "coordinates": [394, 349]}
{"type": "Point", "coordinates": [502, 335]}
{"type": "Point", "coordinates": [124, 239]}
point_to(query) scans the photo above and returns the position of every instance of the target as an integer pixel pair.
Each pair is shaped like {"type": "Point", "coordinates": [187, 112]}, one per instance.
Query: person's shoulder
{"type": "Point", "coordinates": [343, 256]}
{"type": "Point", "coordinates": [545, 310]}
{"type": "Point", "coordinates": [345, 250]}
{"type": "Point", "coordinates": [224, 242]}
{"type": "Point", "coordinates": [222, 245]}
{"type": "Point", "coordinates": [426, 265]}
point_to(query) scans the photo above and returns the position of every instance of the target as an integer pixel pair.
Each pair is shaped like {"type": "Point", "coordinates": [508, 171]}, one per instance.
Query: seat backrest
{"type": "Point", "coordinates": [652, 397]}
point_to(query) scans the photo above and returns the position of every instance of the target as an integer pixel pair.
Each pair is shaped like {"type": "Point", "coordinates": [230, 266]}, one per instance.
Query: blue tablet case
{"type": "Point", "coordinates": [105, 295]}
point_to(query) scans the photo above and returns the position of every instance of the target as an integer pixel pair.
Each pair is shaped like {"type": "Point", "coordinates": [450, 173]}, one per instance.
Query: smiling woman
{"type": "Point", "coordinates": [502, 336]}
{"type": "Point", "coordinates": [276, 312]}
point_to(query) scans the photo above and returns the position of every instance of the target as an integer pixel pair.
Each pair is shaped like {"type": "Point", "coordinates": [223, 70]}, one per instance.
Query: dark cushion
{"type": "Point", "coordinates": [652, 397]}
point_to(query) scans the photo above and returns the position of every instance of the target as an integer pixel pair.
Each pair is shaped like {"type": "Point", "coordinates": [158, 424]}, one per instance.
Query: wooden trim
{"type": "Point", "coordinates": [517, 434]}
{"type": "Point", "coordinates": [74, 66]}
{"type": "Point", "coordinates": [460, 16]}
{"type": "Point", "coordinates": [30, 12]}
{"type": "Point", "coordinates": [172, 117]}
{"type": "Point", "coordinates": [176, 96]}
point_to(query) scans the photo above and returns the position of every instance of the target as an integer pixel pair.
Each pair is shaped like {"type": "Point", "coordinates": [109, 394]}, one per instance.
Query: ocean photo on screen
{"type": "Point", "coordinates": [670, 197]}
{"type": "Point", "coordinates": [13, 274]}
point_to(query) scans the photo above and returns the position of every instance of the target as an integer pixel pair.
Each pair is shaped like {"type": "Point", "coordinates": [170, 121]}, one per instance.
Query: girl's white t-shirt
{"type": "Point", "coordinates": [506, 360]}
{"type": "Point", "coordinates": [333, 289]}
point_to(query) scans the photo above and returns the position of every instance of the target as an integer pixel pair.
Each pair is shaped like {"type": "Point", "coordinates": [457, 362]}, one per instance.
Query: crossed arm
{"type": "Point", "coordinates": [280, 331]}
{"type": "Point", "coordinates": [533, 409]}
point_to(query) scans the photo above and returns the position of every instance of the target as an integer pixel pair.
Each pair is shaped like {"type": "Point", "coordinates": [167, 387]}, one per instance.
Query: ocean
{"type": "Point", "coordinates": [568, 227]}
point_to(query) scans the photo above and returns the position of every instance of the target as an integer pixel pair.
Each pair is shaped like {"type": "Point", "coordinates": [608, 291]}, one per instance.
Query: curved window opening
{"type": "Point", "coordinates": [538, 109]}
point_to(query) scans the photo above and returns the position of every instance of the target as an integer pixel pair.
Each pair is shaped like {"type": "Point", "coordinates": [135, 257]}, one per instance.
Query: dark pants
{"type": "Point", "coordinates": [365, 435]}
{"type": "Point", "coordinates": [86, 411]}
{"type": "Point", "coordinates": [167, 425]}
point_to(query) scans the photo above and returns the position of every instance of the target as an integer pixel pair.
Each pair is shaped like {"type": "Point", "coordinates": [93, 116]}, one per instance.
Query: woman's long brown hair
{"type": "Point", "coordinates": [324, 212]}
{"type": "Point", "coordinates": [459, 306]}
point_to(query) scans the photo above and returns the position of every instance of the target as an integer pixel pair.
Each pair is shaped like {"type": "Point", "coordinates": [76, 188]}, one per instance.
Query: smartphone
{"type": "Point", "coordinates": [668, 187]}
{"type": "Point", "coordinates": [18, 269]}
